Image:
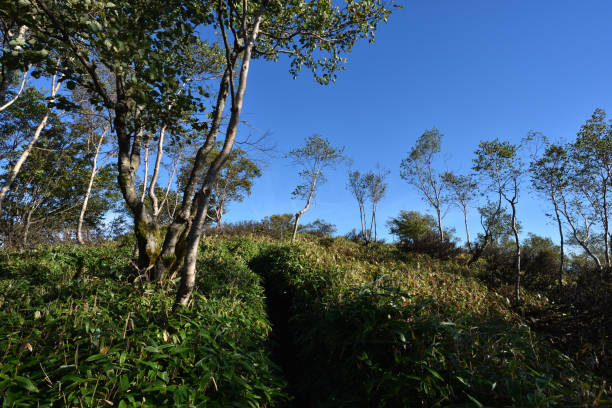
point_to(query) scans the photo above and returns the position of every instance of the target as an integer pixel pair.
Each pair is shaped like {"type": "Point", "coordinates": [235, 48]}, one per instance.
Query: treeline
{"type": "Point", "coordinates": [572, 178]}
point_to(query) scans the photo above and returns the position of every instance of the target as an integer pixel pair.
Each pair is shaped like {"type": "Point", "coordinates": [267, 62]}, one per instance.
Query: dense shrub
{"type": "Point", "coordinates": [417, 233]}
{"type": "Point", "coordinates": [276, 226]}
{"type": "Point", "coordinates": [91, 338]}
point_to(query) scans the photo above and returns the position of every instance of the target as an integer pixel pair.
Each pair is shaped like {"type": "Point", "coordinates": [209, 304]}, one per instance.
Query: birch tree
{"type": "Point", "coordinates": [356, 185]}
{"type": "Point", "coordinates": [95, 128]}
{"type": "Point", "coordinates": [312, 159]}
{"type": "Point", "coordinates": [549, 178]}
{"type": "Point", "coordinates": [145, 46]}
{"type": "Point", "coordinates": [314, 35]}
{"type": "Point", "coordinates": [12, 37]}
{"type": "Point", "coordinates": [501, 168]}
{"type": "Point", "coordinates": [376, 184]}
{"type": "Point", "coordinates": [461, 191]}
{"type": "Point", "coordinates": [591, 174]}
{"type": "Point", "coordinates": [14, 171]}
{"type": "Point", "coordinates": [47, 194]}
{"type": "Point", "coordinates": [233, 182]}
{"type": "Point", "coordinates": [418, 169]}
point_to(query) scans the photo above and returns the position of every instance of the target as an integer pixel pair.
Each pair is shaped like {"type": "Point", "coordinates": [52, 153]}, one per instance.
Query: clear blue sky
{"type": "Point", "coordinates": [476, 70]}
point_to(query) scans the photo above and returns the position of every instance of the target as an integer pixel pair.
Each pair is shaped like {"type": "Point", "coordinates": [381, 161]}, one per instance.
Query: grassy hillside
{"type": "Point", "coordinates": [326, 322]}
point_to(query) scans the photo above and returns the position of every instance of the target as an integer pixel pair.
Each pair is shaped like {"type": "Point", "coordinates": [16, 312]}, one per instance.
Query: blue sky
{"type": "Point", "coordinates": [476, 70]}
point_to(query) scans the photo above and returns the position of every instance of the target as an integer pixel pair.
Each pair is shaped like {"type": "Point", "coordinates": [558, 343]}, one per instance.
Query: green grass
{"type": "Point", "coordinates": [353, 326]}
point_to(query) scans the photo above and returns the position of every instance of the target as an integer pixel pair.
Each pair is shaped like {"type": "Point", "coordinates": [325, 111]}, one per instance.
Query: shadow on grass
{"type": "Point", "coordinates": [377, 346]}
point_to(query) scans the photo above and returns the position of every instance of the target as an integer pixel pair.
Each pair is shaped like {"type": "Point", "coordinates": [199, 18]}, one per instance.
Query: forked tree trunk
{"type": "Point", "coordinates": [169, 260]}
{"type": "Point", "coordinates": [146, 227]}
{"type": "Point", "coordinates": [188, 270]}
{"type": "Point", "coordinates": [299, 214]}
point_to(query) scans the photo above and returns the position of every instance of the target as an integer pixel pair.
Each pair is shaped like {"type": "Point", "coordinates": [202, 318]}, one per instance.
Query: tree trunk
{"type": "Point", "coordinates": [94, 171]}
{"type": "Point", "coordinates": [361, 218]}
{"type": "Point", "coordinates": [299, 214]}
{"type": "Point", "coordinates": [26, 230]}
{"type": "Point", "coordinates": [439, 214]}
{"type": "Point", "coordinates": [8, 75]}
{"type": "Point", "coordinates": [24, 155]}
{"type": "Point", "coordinates": [606, 223]}
{"type": "Point", "coordinates": [374, 221]}
{"type": "Point", "coordinates": [188, 270]}
{"type": "Point", "coordinates": [148, 240]}
{"type": "Point", "coordinates": [145, 177]}
{"type": "Point", "coordinates": [55, 85]}
{"type": "Point", "coordinates": [146, 227]}
{"type": "Point", "coordinates": [517, 287]}
{"type": "Point", "coordinates": [160, 152]}
{"type": "Point", "coordinates": [364, 222]}
{"type": "Point", "coordinates": [219, 214]}
{"type": "Point", "coordinates": [467, 229]}
{"type": "Point", "coordinates": [19, 91]}
{"type": "Point", "coordinates": [169, 260]}
{"type": "Point", "coordinates": [561, 243]}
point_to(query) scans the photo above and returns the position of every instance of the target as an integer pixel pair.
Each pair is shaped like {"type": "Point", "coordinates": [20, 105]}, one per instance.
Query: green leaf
{"type": "Point", "coordinates": [95, 357]}
{"type": "Point", "coordinates": [435, 373]}
{"type": "Point", "coordinates": [26, 383]}
{"type": "Point", "coordinates": [474, 400]}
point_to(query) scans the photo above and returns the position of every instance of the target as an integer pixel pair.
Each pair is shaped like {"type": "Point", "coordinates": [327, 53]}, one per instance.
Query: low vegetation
{"type": "Point", "coordinates": [276, 324]}
{"type": "Point", "coordinates": [77, 332]}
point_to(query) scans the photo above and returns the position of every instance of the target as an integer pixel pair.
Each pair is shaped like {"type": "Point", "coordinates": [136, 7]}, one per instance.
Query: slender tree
{"type": "Point", "coordinates": [461, 191]}
{"type": "Point", "coordinates": [316, 155]}
{"type": "Point", "coordinates": [548, 177]}
{"type": "Point", "coordinates": [233, 183]}
{"type": "Point", "coordinates": [418, 169]}
{"type": "Point", "coordinates": [357, 187]}
{"type": "Point", "coordinates": [501, 169]}
{"type": "Point", "coordinates": [375, 182]}
{"type": "Point", "coordinates": [55, 85]}
{"type": "Point", "coordinates": [591, 172]}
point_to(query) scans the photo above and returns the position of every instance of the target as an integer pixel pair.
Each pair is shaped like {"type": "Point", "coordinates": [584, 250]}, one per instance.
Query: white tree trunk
{"type": "Point", "coordinates": [92, 175]}
{"type": "Point", "coordinates": [21, 86]}
{"type": "Point", "coordinates": [55, 85]}
{"type": "Point", "coordinates": [188, 271]}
